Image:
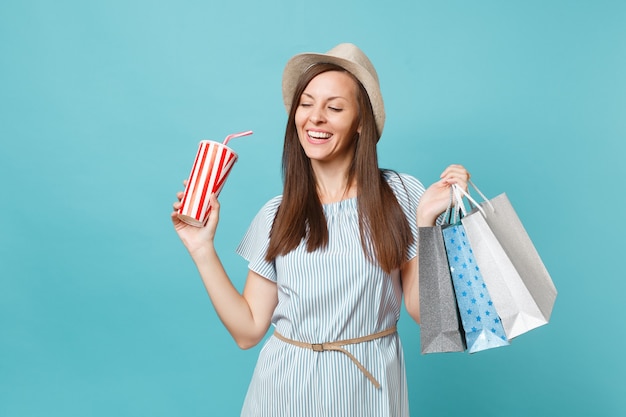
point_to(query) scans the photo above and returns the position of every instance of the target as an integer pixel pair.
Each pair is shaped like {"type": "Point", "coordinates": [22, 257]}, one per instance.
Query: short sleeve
{"type": "Point", "coordinates": [255, 242]}
{"type": "Point", "coordinates": [408, 191]}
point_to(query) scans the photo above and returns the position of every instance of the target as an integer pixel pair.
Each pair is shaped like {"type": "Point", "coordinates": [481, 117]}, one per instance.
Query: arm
{"type": "Point", "coordinates": [433, 202]}
{"type": "Point", "coordinates": [246, 316]}
{"type": "Point", "coordinates": [409, 275]}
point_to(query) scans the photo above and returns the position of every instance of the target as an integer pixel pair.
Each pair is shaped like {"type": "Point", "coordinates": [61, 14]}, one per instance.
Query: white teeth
{"type": "Point", "coordinates": [319, 135]}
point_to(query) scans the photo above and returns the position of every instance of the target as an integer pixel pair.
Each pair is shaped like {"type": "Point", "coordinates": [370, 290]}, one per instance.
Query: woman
{"type": "Point", "coordinates": [330, 259]}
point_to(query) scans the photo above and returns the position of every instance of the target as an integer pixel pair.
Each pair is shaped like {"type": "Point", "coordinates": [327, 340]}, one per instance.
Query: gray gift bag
{"type": "Point", "coordinates": [519, 284]}
{"type": "Point", "coordinates": [440, 329]}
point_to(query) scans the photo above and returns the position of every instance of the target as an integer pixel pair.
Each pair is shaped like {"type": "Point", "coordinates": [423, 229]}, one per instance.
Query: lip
{"type": "Point", "coordinates": [315, 140]}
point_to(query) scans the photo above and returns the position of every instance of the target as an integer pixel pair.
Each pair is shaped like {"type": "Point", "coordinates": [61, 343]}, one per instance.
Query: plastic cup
{"type": "Point", "coordinates": [211, 167]}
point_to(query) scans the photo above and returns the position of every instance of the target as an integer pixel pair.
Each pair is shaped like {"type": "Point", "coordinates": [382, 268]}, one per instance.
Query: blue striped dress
{"type": "Point", "coordinates": [330, 295]}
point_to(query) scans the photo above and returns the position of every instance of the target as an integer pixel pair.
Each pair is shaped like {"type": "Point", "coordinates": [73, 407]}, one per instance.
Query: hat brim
{"type": "Point", "coordinates": [298, 64]}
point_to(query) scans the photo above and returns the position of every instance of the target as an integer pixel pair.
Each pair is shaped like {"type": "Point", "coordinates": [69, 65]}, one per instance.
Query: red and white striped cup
{"type": "Point", "coordinates": [211, 167]}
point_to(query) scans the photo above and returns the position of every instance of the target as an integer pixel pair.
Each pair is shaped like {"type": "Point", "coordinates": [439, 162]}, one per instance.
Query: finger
{"type": "Point", "coordinates": [455, 179]}
{"type": "Point", "coordinates": [180, 195]}
{"type": "Point", "coordinates": [454, 169]}
{"type": "Point", "coordinates": [455, 173]}
{"type": "Point", "coordinates": [215, 204]}
{"type": "Point", "coordinates": [214, 213]}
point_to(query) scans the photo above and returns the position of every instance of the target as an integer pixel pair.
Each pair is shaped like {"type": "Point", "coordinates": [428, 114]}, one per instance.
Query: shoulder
{"type": "Point", "coordinates": [258, 232]}
{"type": "Point", "coordinates": [404, 185]}
{"type": "Point", "coordinates": [269, 209]}
{"type": "Point", "coordinates": [273, 204]}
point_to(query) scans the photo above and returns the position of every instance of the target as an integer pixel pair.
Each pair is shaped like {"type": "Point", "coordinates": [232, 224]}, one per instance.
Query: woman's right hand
{"type": "Point", "coordinates": [247, 317]}
{"type": "Point", "coordinates": [195, 238]}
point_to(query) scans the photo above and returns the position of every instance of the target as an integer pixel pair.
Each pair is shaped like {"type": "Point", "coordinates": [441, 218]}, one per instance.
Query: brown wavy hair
{"type": "Point", "coordinates": [384, 229]}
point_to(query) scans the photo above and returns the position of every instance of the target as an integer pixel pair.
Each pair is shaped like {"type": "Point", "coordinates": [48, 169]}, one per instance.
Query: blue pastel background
{"type": "Point", "coordinates": [102, 104]}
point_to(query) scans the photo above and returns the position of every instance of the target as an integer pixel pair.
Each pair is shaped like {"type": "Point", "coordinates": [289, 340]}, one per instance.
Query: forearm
{"type": "Point", "coordinates": [410, 288]}
{"type": "Point", "coordinates": [232, 308]}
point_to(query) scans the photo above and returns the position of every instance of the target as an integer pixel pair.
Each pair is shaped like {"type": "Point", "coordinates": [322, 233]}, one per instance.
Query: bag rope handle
{"type": "Point", "coordinates": [459, 193]}
{"type": "Point", "coordinates": [485, 199]}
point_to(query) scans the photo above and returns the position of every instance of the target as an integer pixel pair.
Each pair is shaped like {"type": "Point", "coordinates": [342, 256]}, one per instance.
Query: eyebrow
{"type": "Point", "coordinates": [328, 99]}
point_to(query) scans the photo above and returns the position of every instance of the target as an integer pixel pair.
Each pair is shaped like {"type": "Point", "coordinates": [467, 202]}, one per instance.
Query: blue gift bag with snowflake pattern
{"type": "Point", "coordinates": [482, 326]}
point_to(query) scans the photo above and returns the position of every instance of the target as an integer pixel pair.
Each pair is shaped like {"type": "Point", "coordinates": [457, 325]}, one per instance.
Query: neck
{"type": "Point", "coordinates": [332, 183]}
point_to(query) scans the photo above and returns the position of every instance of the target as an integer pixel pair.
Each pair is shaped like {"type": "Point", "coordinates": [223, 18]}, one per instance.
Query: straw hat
{"type": "Point", "coordinates": [347, 56]}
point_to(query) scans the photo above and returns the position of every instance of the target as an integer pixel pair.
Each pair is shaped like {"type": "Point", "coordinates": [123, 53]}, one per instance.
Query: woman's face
{"type": "Point", "coordinates": [327, 117]}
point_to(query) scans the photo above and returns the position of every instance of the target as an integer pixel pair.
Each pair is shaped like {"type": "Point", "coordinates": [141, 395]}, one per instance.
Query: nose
{"type": "Point", "coordinates": [317, 115]}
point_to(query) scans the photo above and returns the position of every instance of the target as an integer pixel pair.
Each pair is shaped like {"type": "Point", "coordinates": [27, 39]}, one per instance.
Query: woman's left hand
{"type": "Point", "coordinates": [436, 198]}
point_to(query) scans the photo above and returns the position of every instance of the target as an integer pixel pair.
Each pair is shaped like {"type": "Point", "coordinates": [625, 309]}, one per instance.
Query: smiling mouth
{"type": "Point", "coordinates": [319, 135]}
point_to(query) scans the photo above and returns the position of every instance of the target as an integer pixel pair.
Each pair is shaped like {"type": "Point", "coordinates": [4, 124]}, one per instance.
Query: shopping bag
{"type": "Point", "coordinates": [482, 325]}
{"type": "Point", "coordinates": [520, 286]}
{"type": "Point", "coordinates": [440, 329]}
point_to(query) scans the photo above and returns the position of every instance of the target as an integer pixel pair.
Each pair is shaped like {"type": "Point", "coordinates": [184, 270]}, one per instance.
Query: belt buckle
{"type": "Point", "coordinates": [317, 347]}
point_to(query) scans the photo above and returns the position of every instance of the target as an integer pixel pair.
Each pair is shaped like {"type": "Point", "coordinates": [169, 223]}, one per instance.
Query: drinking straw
{"type": "Point", "coordinates": [236, 135]}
